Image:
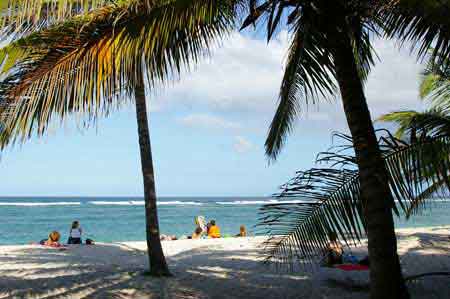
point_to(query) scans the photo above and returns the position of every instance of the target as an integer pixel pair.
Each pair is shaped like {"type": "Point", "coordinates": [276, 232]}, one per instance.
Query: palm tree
{"type": "Point", "coordinates": [332, 44]}
{"type": "Point", "coordinates": [94, 61]}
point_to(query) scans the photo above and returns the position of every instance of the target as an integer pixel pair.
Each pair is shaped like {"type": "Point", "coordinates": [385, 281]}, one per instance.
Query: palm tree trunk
{"type": "Point", "coordinates": [158, 265]}
{"type": "Point", "coordinates": [386, 280]}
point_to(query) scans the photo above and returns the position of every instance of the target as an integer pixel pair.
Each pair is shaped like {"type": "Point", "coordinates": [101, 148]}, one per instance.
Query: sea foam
{"type": "Point", "coordinates": [34, 204]}
{"type": "Point", "coordinates": [141, 202]}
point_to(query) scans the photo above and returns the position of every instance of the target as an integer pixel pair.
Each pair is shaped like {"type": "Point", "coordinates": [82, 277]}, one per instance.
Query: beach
{"type": "Point", "coordinates": [208, 268]}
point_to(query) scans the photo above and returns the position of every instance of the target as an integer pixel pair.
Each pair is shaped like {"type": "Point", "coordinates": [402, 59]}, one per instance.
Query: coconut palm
{"type": "Point", "coordinates": [331, 41]}
{"type": "Point", "coordinates": [96, 60]}
{"type": "Point", "coordinates": [331, 48]}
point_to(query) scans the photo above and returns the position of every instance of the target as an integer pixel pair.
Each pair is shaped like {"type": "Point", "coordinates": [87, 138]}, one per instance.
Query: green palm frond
{"type": "Point", "coordinates": [435, 85]}
{"type": "Point", "coordinates": [306, 79]}
{"type": "Point", "coordinates": [102, 55]}
{"type": "Point", "coordinates": [332, 202]}
{"type": "Point", "coordinates": [309, 73]}
{"type": "Point", "coordinates": [413, 124]}
{"type": "Point", "coordinates": [423, 23]}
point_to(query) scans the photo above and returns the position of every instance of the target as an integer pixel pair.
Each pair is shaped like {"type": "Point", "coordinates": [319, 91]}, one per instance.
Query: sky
{"type": "Point", "coordinates": [207, 130]}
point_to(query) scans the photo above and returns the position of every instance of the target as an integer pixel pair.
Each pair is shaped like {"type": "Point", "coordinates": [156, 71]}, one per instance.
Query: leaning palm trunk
{"type": "Point", "coordinates": [385, 271]}
{"type": "Point", "coordinates": [157, 261]}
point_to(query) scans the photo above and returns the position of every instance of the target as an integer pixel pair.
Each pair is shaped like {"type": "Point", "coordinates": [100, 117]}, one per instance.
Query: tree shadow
{"type": "Point", "coordinates": [115, 271]}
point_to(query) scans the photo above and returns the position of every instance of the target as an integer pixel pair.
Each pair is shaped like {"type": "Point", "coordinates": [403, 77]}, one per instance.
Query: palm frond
{"type": "Point", "coordinates": [333, 202]}
{"type": "Point", "coordinates": [413, 124]}
{"type": "Point", "coordinates": [435, 85]}
{"type": "Point", "coordinates": [309, 73]}
{"type": "Point", "coordinates": [103, 55]}
{"type": "Point", "coordinates": [308, 77]}
{"type": "Point", "coordinates": [22, 17]}
{"type": "Point", "coordinates": [424, 24]}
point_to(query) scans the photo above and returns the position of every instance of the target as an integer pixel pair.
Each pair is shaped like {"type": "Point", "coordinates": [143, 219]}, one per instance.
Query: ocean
{"type": "Point", "coordinates": [30, 219]}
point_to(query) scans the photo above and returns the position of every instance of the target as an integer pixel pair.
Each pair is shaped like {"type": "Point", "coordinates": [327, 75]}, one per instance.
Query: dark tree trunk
{"type": "Point", "coordinates": [158, 265]}
{"type": "Point", "coordinates": [386, 280]}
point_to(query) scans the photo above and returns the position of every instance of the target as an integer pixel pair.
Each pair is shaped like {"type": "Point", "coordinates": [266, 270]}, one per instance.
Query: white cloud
{"type": "Point", "coordinates": [243, 76]}
{"type": "Point", "coordinates": [242, 145]}
{"type": "Point", "coordinates": [208, 121]}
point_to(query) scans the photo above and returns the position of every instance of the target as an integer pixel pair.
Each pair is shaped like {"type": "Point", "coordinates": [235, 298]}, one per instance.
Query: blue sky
{"type": "Point", "coordinates": [207, 129]}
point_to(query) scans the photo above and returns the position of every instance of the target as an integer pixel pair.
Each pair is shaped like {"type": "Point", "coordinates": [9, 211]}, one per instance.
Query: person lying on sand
{"type": "Point", "coordinates": [168, 238]}
{"type": "Point", "coordinates": [75, 233]}
{"type": "Point", "coordinates": [197, 233]}
{"type": "Point", "coordinates": [334, 251]}
{"type": "Point", "coordinates": [242, 231]}
{"type": "Point", "coordinates": [52, 241]}
{"type": "Point", "coordinates": [214, 230]}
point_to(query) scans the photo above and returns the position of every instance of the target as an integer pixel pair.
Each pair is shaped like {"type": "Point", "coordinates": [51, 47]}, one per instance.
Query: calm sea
{"type": "Point", "coordinates": [23, 220]}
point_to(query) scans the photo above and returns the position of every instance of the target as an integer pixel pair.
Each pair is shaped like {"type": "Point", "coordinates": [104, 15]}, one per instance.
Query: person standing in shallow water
{"type": "Point", "coordinates": [75, 233]}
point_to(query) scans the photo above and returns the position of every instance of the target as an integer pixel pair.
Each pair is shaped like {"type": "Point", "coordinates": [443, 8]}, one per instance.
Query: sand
{"type": "Point", "coordinates": [220, 268]}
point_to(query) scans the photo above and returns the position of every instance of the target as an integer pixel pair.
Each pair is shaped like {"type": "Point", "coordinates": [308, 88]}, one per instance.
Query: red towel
{"type": "Point", "coordinates": [352, 267]}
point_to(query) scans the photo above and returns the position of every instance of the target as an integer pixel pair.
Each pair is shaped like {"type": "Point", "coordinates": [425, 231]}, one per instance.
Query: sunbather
{"type": "Point", "coordinates": [334, 251]}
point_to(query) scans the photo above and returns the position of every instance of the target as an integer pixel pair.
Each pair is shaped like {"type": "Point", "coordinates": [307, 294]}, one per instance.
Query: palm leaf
{"type": "Point", "coordinates": [424, 24]}
{"type": "Point", "coordinates": [413, 124]}
{"type": "Point", "coordinates": [104, 53]}
{"type": "Point", "coordinates": [435, 85]}
{"type": "Point", "coordinates": [333, 202]}
{"type": "Point", "coordinates": [22, 17]}
{"type": "Point", "coordinates": [307, 77]}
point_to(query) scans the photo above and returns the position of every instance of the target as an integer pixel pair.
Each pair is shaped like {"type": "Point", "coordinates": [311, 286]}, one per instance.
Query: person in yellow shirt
{"type": "Point", "coordinates": [214, 230]}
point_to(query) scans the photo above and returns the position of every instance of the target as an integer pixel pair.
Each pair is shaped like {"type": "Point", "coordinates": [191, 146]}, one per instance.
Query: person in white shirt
{"type": "Point", "coordinates": [75, 233]}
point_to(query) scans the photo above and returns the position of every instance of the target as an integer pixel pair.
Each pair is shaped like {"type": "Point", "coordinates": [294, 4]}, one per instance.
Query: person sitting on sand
{"type": "Point", "coordinates": [75, 233]}
{"type": "Point", "coordinates": [214, 230]}
{"type": "Point", "coordinates": [242, 231]}
{"type": "Point", "coordinates": [197, 233]}
{"type": "Point", "coordinates": [334, 251]}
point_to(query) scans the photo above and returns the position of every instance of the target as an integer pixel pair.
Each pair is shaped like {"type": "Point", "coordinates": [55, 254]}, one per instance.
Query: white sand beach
{"type": "Point", "coordinates": [215, 268]}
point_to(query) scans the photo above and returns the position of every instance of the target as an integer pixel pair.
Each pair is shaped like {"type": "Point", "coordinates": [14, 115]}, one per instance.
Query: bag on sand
{"type": "Point", "coordinates": [89, 242]}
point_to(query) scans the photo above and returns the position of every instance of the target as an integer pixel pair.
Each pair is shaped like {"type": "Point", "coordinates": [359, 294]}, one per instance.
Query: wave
{"type": "Point", "coordinates": [141, 203]}
{"type": "Point", "coordinates": [34, 204]}
{"type": "Point", "coordinates": [117, 203]}
{"type": "Point", "coordinates": [259, 202]}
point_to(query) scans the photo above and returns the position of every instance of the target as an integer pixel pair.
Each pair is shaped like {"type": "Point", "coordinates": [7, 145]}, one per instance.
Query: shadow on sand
{"type": "Point", "coordinates": [114, 271]}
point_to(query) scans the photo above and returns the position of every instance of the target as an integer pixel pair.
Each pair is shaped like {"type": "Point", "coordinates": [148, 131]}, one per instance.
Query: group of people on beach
{"type": "Point", "coordinates": [205, 229]}
{"type": "Point", "coordinates": [75, 233]}
{"type": "Point", "coordinates": [211, 229]}
{"type": "Point", "coordinates": [202, 230]}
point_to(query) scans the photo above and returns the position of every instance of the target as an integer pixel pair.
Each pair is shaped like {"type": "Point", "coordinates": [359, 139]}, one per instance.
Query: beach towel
{"type": "Point", "coordinates": [352, 267]}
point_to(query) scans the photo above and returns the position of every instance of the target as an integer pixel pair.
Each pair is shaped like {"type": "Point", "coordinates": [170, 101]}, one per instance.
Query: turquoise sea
{"type": "Point", "coordinates": [27, 219]}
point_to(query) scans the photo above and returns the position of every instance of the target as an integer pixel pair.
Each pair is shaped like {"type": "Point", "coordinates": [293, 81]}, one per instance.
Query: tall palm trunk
{"type": "Point", "coordinates": [158, 265]}
{"type": "Point", "coordinates": [385, 271]}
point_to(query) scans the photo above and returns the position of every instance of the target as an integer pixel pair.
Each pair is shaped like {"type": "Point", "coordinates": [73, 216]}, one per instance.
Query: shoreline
{"type": "Point", "coordinates": [206, 268]}
{"type": "Point", "coordinates": [137, 242]}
